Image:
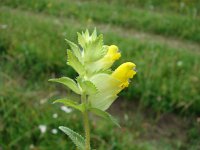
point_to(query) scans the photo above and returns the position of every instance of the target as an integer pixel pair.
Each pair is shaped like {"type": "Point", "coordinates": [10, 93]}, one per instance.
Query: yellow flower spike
{"type": "Point", "coordinates": [96, 84]}
{"type": "Point", "coordinates": [124, 72]}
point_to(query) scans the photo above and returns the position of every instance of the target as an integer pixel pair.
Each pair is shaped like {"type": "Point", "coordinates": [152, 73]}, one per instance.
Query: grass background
{"type": "Point", "coordinates": [160, 109]}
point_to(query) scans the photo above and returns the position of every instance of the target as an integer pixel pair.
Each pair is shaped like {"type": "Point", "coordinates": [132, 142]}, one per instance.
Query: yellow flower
{"type": "Point", "coordinates": [124, 72]}
{"type": "Point", "coordinates": [107, 61]}
{"type": "Point", "coordinates": [113, 54]}
{"type": "Point", "coordinates": [109, 85]}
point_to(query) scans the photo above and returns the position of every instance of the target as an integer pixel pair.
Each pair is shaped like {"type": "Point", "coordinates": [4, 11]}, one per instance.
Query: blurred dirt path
{"type": "Point", "coordinates": [122, 32]}
{"type": "Point", "coordinates": [144, 36]}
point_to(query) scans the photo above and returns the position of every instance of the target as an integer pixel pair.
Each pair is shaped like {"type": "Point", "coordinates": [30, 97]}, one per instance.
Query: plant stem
{"type": "Point", "coordinates": [86, 123]}
{"type": "Point", "coordinates": [87, 130]}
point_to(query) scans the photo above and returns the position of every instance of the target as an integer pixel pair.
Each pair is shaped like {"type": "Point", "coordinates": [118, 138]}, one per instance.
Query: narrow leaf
{"type": "Point", "coordinates": [94, 34]}
{"type": "Point", "coordinates": [76, 138]}
{"type": "Point", "coordinates": [81, 40]}
{"type": "Point", "coordinates": [73, 61]}
{"type": "Point", "coordinates": [70, 103]}
{"type": "Point", "coordinates": [67, 82]}
{"type": "Point", "coordinates": [104, 115]}
{"type": "Point", "coordinates": [76, 50]}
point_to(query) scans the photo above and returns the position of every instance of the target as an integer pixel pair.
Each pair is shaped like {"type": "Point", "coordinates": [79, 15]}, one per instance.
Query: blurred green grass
{"type": "Point", "coordinates": [164, 23]}
{"type": "Point", "coordinates": [32, 50]}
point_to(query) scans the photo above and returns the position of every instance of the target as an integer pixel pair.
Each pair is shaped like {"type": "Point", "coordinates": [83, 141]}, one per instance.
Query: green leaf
{"type": "Point", "coordinates": [76, 138]}
{"type": "Point", "coordinates": [87, 86]}
{"type": "Point", "coordinates": [70, 103]}
{"type": "Point", "coordinates": [67, 82]}
{"type": "Point", "coordinates": [73, 61]}
{"type": "Point", "coordinates": [76, 50]}
{"type": "Point", "coordinates": [104, 115]}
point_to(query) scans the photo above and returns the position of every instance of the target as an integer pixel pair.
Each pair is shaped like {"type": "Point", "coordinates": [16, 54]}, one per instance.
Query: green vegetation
{"type": "Point", "coordinates": [165, 23]}
{"type": "Point", "coordinates": [32, 49]}
{"type": "Point", "coordinates": [190, 7]}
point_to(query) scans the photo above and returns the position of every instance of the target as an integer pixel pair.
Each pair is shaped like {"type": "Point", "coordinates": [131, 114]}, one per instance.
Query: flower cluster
{"type": "Point", "coordinates": [92, 60]}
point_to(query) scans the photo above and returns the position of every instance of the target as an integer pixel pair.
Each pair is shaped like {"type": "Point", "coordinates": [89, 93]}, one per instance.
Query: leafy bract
{"type": "Point", "coordinates": [92, 46]}
{"type": "Point", "coordinates": [76, 50]}
{"type": "Point", "coordinates": [104, 115]}
{"type": "Point", "coordinates": [105, 82]}
{"type": "Point", "coordinates": [76, 138]}
{"type": "Point", "coordinates": [94, 50]}
{"type": "Point", "coordinates": [94, 34]}
{"type": "Point", "coordinates": [70, 103]}
{"type": "Point", "coordinates": [67, 82]}
{"type": "Point", "coordinates": [81, 40]}
{"type": "Point", "coordinates": [73, 61]}
{"type": "Point", "coordinates": [108, 88]}
{"type": "Point", "coordinates": [87, 86]}
{"type": "Point", "coordinates": [85, 38]}
{"type": "Point", "coordinates": [102, 100]}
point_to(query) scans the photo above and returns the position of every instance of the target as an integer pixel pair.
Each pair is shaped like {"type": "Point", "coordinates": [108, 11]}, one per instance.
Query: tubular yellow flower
{"type": "Point", "coordinates": [109, 85]}
{"type": "Point", "coordinates": [107, 61]}
{"type": "Point", "coordinates": [123, 73]}
{"type": "Point", "coordinates": [113, 54]}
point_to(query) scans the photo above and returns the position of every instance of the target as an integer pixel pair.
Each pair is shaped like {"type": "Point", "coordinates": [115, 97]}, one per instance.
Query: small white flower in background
{"type": "Point", "coordinates": [159, 98]}
{"type": "Point", "coordinates": [56, 22]}
{"type": "Point", "coordinates": [151, 7]}
{"type": "Point", "coordinates": [198, 119]}
{"type": "Point", "coordinates": [64, 34]}
{"type": "Point", "coordinates": [66, 109]}
{"type": "Point", "coordinates": [31, 146]}
{"type": "Point", "coordinates": [42, 128]}
{"type": "Point", "coordinates": [3, 26]}
{"type": "Point", "coordinates": [54, 131]}
{"type": "Point", "coordinates": [182, 5]}
{"type": "Point", "coordinates": [126, 118]}
{"type": "Point", "coordinates": [42, 101]}
{"type": "Point", "coordinates": [55, 115]}
{"type": "Point", "coordinates": [179, 63]}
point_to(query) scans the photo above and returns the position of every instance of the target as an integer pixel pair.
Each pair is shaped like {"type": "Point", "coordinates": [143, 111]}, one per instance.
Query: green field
{"type": "Point", "coordinates": [160, 109]}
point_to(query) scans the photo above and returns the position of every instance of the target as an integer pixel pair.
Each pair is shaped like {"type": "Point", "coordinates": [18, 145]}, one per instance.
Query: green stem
{"type": "Point", "coordinates": [86, 123]}
{"type": "Point", "coordinates": [87, 130]}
